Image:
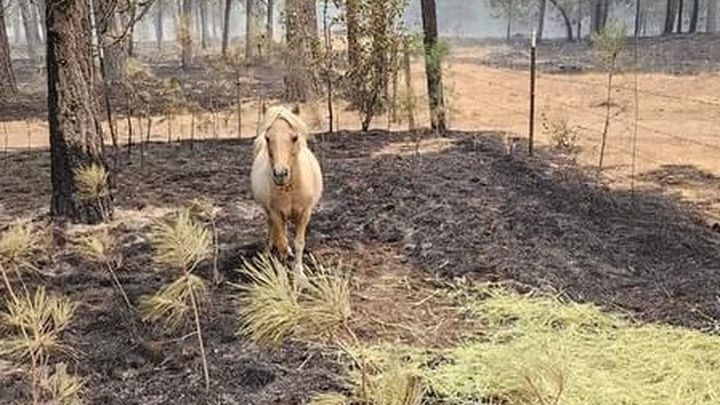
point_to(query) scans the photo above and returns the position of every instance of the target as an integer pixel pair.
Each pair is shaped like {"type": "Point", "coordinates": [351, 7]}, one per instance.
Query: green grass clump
{"type": "Point", "coordinates": [537, 349]}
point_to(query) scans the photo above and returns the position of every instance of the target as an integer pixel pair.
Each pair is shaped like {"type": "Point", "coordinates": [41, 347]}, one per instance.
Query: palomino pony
{"type": "Point", "coordinates": [286, 179]}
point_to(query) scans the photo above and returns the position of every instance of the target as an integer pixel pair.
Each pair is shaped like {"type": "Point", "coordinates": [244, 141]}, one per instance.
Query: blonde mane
{"type": "Point", "coordinates": [273, 114]}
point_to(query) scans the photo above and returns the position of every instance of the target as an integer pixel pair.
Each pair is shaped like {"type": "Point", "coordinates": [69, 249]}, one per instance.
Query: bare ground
{"type": "Point", "coordinates": [463, 208]}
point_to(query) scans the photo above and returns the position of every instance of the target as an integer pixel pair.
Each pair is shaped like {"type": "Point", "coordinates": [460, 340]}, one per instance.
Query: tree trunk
{"type": "Point", "coordinates": [270, 20]}
{"type": "Point", "coordinates": [75, 132]}
{"type": "Point", "coordinates": [566, 20]}
{"type": "Point", "coordinates": [30, 24]}
{"type": "Point", "coordinates": [670, 12]}
{"type": "Point", "coordinates": [159, 28]}
{"type": "Point", "coordinates": [695, 15]}
{"type": "Point", "coordinates": [638, 17]}
{"type": "Point", "coordinates": [680, 17]}
{"type": "Point", "coordinates": [712, 14]}
{"type": "Point", "coordinates": [186, 33]}
{"type": "Point", "coordinates": [250, 29]}
{"type": "Point", "coordinates": [300, 18]}
{"type": "Point", "coordinates": [41, 9]}
{"type": "Point", "coordinates": [115, 50]}
{"type": "Point", "coordinates": [226, 26]}
{"type": "Point", "coordinates": [580, 16]}
{"type": "Point", "coordinates": [433, 66]}
{"type": "Point", "coordinates": [352, 33]}
{"type": "Point", "coordinates": [8, 87]}
{"type": "Point", "coordinates": [605, 13]}
{"type": "Point", "coordinates": [541, 19]}
{"type": "Point", "coordinates": [508, 28]}
{"type": "Point", "coordinates": [205, 31]}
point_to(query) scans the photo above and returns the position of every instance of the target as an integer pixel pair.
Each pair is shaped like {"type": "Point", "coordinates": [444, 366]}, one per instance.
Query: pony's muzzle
{"type": "Point", "coordinates": [281, 176]}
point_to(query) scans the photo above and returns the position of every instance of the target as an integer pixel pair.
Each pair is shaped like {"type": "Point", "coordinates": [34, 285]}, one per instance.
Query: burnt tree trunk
{"type": "Point", "coordinates": [75, 132]}
{"type": "Point", "coordinates": [226, 26]}
{"type": "Point", "coordinates": [159, 28]}
{"type": "Point", "coordinates": [670, 12]}
{"type": "Point", "coordinates": [30, 24]}
{"type": "Point", "coordinates": [712, 15]}
{"type": "Point", "coordinates": [680, 16]}
{"type": "Point", "coordinates": [270, 20]}
{"type": "Point", "coordinates": [115, 49]}
{"type": "Point", "coordinates": [301, 33]}
{"type": "Point", "coordinates": [694, 16]}
{"type": "Point", "coordinates": [186, 34]}
{"type": "Point", "coordinates": [351, 13]}
{"type": "Point", "coordinates": [541, 19]}
{"type": "Point", "coordinates": [204, 26]}
{"type": "Point", "coordinates": [8, 87]}
{"type": "Point", "coordinates": [638, 17]}
{"type": "Point", "coordinates": [566, 20]}
{"type": "Point", "coordinates": [250, 29]}
{"type": "Point", "coordinates": [433, 66]}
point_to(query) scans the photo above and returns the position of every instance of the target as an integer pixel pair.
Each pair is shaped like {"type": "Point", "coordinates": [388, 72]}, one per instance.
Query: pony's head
{"type": "Point", "coordinates": [282, 134]}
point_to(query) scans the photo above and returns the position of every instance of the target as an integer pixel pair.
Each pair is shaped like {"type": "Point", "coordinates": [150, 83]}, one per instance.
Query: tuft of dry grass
{"type": "Point", "coordinates": [273, 307]}
{"type": "Point", "coordinates": [92, 182]}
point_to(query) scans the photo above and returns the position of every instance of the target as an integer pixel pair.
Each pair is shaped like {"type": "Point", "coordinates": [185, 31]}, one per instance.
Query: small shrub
{"type": "Point", "coordinates": [562, 135]}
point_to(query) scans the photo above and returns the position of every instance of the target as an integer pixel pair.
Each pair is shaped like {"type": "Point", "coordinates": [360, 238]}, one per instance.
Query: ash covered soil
{"type": "Point", "coordinates": [466, 209]}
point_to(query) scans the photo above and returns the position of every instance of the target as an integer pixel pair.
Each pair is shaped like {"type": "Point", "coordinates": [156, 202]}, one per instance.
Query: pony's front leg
{"type": "Point", "coordinates": [301, 224]}
{"type": "Point", "coordinates": [278, 235]}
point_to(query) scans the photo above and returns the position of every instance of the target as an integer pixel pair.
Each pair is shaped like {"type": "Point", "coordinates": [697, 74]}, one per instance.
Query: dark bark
{"type": "Point", "coordinates": [712, 14]}
{"type": "Point", "coordinates": [351, 16]}
{"type": "Point", "coordinates": [680, 16]}
{"type": "Point", "coordinates": [638, 17]}
{"type": "Point", "coordinates": [433, 66]}
{"type": "Point", "coordinates": [694, 16]}
{"type": "Point", "coordinates": [30, 24]}
{"type": "Point", "coordinates": [566, 20]}
{"type": "Point", "coordinates": [541, 19]}
{"type": "Point", "coordinates": [186, 33]}
{"type": "Point", "coordinates": [115, 49]}
{"type": "Point", "coordinates": [8, 87]}
{"type": "Point", "coordinates": [301, 37]}
{"type": "Point", "coordinates": [75, 133]}
{"type": "Point", "coordinates": [270, 19]}
{"type": "Point", "coordinates": [159, 27]}
{"type": "Point", "coordinates": [204, 28]}
{"type": "Point", "coordinates": [226, 26]}
{"type": "Point", "coordinates": [508, 27]}
{"type": "Point", "coordinates": [670, 12]}
{"type": "Point", "coordinates": [250, 29]}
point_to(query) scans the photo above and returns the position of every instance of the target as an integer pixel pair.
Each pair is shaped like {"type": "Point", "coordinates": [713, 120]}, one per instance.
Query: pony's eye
{"type": "Point", "coordinates": [294, 138]}
{"type": "Point", "coordinates": [267, 139]}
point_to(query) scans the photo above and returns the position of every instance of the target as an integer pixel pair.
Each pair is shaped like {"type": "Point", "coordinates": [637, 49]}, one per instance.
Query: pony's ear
{"type": "Point", "coordinates": [296, 109]}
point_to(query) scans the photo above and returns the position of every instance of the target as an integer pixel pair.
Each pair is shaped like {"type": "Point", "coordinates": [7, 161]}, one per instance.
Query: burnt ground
{"type": "Point", "coordinates": [673, 54]}
{"type": "Point", "coordinates": [470, 210]}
